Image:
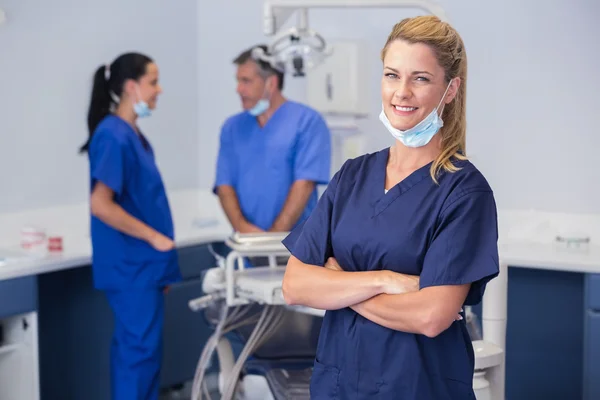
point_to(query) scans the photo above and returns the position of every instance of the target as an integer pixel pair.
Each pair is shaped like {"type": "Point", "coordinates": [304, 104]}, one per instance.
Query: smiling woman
{"type": "Point", "coordinates": [423, 88]}
{"type": "Point", "coordinates": [407, 235]}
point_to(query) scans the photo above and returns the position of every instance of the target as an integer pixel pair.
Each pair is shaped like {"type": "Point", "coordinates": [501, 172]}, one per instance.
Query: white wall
{"type": "Point", "coordinates": [49, 51]}
{"type": "Point", "coordinates": [532, 95]}
{"type": "Point", "coordinates": [532, 90]}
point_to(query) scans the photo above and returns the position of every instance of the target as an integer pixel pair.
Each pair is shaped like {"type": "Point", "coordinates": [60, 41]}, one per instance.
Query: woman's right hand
{"type": "Point", "coordinates": [397, 283]}
{"type": "Point", "coordinates": [161, 243]}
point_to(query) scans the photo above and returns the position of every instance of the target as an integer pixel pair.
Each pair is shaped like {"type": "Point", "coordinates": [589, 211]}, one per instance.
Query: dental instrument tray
{"type": "Point", "coordinates": [260, 285]}
{"type": "Point", "coordinates": [257, 242]}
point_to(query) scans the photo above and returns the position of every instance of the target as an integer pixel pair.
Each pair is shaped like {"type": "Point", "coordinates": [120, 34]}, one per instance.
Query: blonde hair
{"type": "Point", "coordinates": [449, 50]}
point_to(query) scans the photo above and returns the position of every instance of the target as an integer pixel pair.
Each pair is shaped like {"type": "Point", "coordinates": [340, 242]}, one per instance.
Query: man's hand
{"type": "Point", "coordinates": [247, 227]}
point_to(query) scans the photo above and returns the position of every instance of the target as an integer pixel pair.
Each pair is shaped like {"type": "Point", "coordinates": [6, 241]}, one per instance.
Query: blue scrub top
{"type": "Point", "coordinates": [124, 161]}
{"type": "Point", "coordinates": [262, 163]}
{"type": "Point", "coordinates": [447, 234]}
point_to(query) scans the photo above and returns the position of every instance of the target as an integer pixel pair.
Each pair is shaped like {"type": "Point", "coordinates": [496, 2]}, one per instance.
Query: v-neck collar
{"type": "Point", "coordinates": [275, 113]}
{"type": "Point", "coordinates": [139, 136]}
{"type": "Point", "coordinates": [381, 200]}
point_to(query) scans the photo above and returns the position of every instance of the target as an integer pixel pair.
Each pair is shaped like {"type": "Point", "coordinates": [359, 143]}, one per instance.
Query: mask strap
{"type": "Point", "coordinates": [266, 95]}
{"type": "Point", "coordinates": [114, 97]}
{"type": "Point", "coordinates": [443, 97]}
{"type": "Point", "coordinates": [137, 94]}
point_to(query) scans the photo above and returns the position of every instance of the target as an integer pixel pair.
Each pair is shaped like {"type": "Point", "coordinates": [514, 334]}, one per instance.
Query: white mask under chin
{"type": "Point", "coordinates": [420, 134]}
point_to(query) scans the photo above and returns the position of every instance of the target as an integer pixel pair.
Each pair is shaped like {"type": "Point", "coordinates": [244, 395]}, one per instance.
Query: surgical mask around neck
{"type": "Point", "coordinates": [263, 104]}
{"type": "Point", "coordinates": [420, 134]}
{"type": "Point", "coordinates": [140, 107]}
{"type": "Point", "coordinates": [260, 107]}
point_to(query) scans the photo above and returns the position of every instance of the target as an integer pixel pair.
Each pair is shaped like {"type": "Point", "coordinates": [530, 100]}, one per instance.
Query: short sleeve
{"type": "Point", "coordinates": [225, 174]}
{"type": "Point", "coordinates": [464, 248]}
{"type": "Point", "coordinates": [310, 241]}
{"type": "Point", "coordinates": [107, 161]}
{"type": "Point", "coordinates": [313, 152]}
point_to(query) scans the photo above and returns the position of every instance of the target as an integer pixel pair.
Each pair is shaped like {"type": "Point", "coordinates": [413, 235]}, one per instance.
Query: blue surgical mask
{"type": "Point", "coordinates": [261, 106]}
{"type": "Point", "coordinates": [141, 108]}
{"type": "Point", "coordinates": [420, 134]}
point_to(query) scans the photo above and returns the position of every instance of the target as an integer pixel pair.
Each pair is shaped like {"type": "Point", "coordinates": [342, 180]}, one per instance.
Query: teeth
{"type": "Point", "coordinates": [405, 108]}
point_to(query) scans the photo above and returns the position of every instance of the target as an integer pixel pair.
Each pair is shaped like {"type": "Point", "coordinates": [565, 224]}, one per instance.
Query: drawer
{"type": "Point", "coordinates": [593, 292]}
{"type": "Point", "coordinates": [18, 296]}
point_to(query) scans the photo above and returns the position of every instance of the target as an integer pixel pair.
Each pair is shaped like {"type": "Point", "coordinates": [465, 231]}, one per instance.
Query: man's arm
{"type": "Point", "coordinates": [226, 176]}
{"type": "Point", "coordinates": [231, 207]}
{"type": "Point", "coordinates": [312, 165]}
{"type": "Point", "coordinates": [294, 206]}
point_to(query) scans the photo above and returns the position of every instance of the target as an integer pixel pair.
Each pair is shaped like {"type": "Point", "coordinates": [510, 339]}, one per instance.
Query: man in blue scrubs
{"type": "Point", "coordinates": [272, 155]}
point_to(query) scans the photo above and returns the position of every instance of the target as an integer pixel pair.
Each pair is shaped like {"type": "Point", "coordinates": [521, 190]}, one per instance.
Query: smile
{"type": "Point", "coordinates": [405, 109]}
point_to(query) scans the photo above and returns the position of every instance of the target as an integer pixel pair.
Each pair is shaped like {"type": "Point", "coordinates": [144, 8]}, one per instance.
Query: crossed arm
{"type": "Point", "coordinates": [384, 297]}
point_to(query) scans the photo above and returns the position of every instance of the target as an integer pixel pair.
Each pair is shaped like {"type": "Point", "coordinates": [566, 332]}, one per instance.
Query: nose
{"type": "Point", "coordinates": [159, 89]}
{"type": "Point", "coordinates": [402, 90]}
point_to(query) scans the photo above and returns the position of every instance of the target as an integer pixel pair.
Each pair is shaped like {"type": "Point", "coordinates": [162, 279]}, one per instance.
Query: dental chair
{"type": "Point", "coordinates": [246, 305]}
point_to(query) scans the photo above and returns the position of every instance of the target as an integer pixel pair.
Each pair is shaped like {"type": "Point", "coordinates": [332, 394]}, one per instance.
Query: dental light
{"type": "Point", "coordinates": [300, 47]}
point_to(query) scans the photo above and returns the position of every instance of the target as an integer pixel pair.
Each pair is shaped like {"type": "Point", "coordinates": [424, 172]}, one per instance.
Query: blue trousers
{"type": "Point", "coordinates": [136, 350]}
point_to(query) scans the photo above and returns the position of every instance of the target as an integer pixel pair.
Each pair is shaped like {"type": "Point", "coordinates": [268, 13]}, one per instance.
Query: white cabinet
{"type": "Point", "coordinates": [340, 85]}
{"type": "Point", "coordinates": [19, 376]}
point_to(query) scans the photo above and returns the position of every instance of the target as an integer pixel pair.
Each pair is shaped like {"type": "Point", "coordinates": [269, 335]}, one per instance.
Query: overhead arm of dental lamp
{"type": "Point", "coordinates": [277, 12]}
{"type": "Point", "coordinates": [302, 47]}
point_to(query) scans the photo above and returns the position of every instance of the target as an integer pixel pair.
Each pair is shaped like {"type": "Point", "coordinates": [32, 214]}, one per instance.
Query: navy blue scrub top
{"type": "Point", "coordinates": [124, 161]}
{"type": "Point", "coordinates": [447, 234]}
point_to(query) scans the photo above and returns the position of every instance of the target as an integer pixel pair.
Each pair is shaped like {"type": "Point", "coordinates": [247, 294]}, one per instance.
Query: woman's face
{"type": "Point", "coordinates": [147, 88]}
{"type": "Point", "coordinates": [412, 84]}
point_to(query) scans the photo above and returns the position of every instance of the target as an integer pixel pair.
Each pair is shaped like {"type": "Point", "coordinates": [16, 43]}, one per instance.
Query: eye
{"type": "Point", "coordinates": [422, 79]}
{"type": "Point", "coordinates": [391, 75]}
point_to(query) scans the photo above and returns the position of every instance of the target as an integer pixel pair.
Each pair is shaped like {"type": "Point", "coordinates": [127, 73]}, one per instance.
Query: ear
{"type": "Point", "coordinates": [452, 90]}
{"type": "Point", "coordinates": [271, 83]}
{"type": "Point", "coordinates": [129, 87]}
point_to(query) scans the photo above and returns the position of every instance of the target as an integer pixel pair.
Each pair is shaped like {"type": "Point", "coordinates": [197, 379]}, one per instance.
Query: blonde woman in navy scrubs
{"type": "Point", "coordinates": [134, 257]}
{"type": "Point", "coordinates": [407, 235]}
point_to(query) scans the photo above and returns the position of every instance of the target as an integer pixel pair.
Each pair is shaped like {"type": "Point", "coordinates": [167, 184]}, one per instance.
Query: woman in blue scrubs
{"type": "Point", "coordinates": [408, 235]}
{"type": "Point", "coordinates": [134, 257]}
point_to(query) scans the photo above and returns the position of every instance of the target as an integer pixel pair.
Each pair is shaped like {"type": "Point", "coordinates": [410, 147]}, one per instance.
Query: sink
{"type": "Point", "coordinates": [13, 255]}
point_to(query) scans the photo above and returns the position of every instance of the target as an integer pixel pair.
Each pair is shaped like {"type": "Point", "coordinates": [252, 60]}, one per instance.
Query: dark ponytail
{"type": "Point", "coordinates": [108, 87]}
{"type": "Point", "coordinates": [99, 104]}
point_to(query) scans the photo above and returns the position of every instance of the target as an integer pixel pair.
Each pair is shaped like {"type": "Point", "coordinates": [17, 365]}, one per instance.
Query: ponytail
{"type": "Point", "coordinates": [99, 104]}
{"type": "Point", "coordinates": [107, 91]}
